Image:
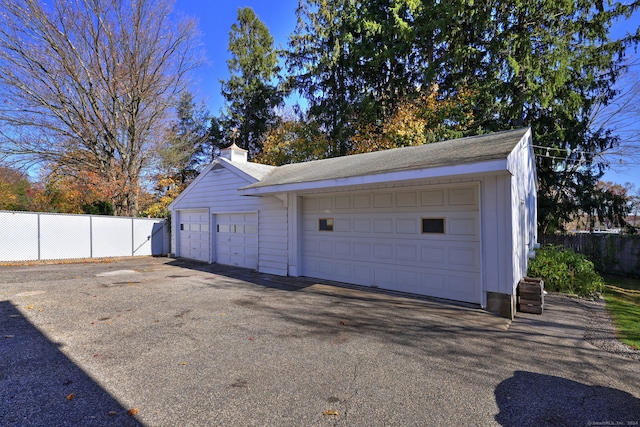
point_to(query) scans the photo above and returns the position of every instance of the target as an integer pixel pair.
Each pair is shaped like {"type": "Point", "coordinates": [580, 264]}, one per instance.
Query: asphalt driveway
{"type": "Point", "coordinates": [160, 342]}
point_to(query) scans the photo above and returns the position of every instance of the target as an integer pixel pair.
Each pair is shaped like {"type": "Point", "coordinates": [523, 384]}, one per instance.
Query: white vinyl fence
{"type": "Point", "coordinates": [30, 236]}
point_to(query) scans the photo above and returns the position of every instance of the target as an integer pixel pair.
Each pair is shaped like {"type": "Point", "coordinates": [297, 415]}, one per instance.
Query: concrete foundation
{"type": "Point", "coordinates": [502, 304]}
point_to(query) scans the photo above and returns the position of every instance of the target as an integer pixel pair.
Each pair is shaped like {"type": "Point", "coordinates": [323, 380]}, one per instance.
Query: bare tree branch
{"type": "Point", "coordinates": [621, 116]}
{"type": "Point", "coordinates": [89, 83]}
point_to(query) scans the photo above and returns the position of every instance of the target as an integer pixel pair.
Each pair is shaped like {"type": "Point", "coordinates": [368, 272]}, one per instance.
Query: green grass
{"type": "Point", "coordinates": [623, 303]}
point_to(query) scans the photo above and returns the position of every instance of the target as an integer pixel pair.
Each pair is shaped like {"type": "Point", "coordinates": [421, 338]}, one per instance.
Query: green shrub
{"type": "Point", "coordinates": [563, 270]}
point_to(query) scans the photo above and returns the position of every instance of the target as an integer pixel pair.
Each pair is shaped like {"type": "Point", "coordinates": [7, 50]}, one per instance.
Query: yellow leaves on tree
{"type": "Point", "coordinates": [71, 193]}
{"type": "Point", "coordinates": [14, 189]}
{"type": "Point", "coordinates": [7, 197]}
{"type": "Point", "coordinates": [293, 141]}
{"type": "Point", "coordinates": [169, 186]}
{"type": "Point", "coordinates": [416, 121]}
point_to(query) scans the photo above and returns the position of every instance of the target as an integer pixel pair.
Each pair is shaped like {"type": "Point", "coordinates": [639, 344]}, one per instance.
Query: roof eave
{"type": "Point", "coordinates": [491, 166]}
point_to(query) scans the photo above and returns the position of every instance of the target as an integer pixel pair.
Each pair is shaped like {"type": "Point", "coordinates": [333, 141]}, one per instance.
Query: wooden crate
{"type": "Point", "coordinates": [531, 295]}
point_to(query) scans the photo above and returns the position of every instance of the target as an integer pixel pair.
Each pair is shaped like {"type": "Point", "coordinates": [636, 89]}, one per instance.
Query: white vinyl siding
{"type": "Point", "coordinates": [217, 190]}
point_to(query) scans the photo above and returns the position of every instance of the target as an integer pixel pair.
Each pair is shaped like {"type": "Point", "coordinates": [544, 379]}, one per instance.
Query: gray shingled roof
{"type": "Point", "coordinates": [472, 149]}
{"type": "Point", "coordinates": [255, 170]}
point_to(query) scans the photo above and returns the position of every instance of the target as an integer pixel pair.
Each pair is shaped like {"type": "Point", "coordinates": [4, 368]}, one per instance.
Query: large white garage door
{"type": "Point", "coordinates": [194, 234]}
{"type": "Point", "coordinates": [424, 241]}
{"type": "Point", "coordinates": [237, 239]}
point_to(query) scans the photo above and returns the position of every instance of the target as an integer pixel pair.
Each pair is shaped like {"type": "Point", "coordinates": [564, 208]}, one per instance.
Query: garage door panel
{"type": "Point", "coordinates": [383, 251]}
{"type": "Point", "coordinates": [237, 239]}
{"type": "Point", "coordinates": [461, 285]}
{"type": "Point", "coordinates": [433, 282]}
{"type": "Point", "coordinates": [462, 227]}
{"type": "Point", "coordinates": [362, 274]}
{"type": "Point", "coordinates": [433, 253]}
{"type": "Point", "coordinates": [310, 225]}
{"type": "Point", "coordinates": [463, 197]}
{"type": "Point", "coordinates": [325, 202]}
{"type": "Point", "coordinates": [342, 225]}
{"type": "Point", "coordinates": [343, 248]}
{"type": "Point", "coordinates": [432, 198]}
{"type": "Point", "coordinates": [194, 235]}
{"type": "Point", "coordinates": [384, 200]}
{"type": "Point", "coordinates": [409, 279]}
{"type": "Point", "coordinates": [407, 252]}
{"type": "Point", "coordinates": [407, 226]}
{"type": "Point", "coordinates": [343, 202]}
{"type": "Point", "coordinates": [362, 225]}
{"type": "Point", "coordinates": [309, 203]}
{"type": "Point", "coordinates": [362, 250]}
{"type": "Point", "coordinates": [325, 247]}
{"type": "Point", "coordinates": [384, 277]}
{"type": "Point", "coordinates": [378, 241]}
{"type": "Point", "coordinates": [466, 258]}
{"type": "Point", "coordinates": [383, 225]}
{"type": "Point", "coordinates": [309, 247]}
{"type": "Point", "coordinates": [343, 272]}
{"type": "Point", "coordinates": [405, 200]}
{"type": "Point", "coordinates": [311, 267]}
{"type": "Point", "coordinates": [326, 267]}
{"type": "Point", "coordinates": [362, 201]}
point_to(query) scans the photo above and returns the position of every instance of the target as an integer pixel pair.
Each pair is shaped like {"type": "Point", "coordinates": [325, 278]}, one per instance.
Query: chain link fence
{"type": "Point", "coordinates": [31, 236]}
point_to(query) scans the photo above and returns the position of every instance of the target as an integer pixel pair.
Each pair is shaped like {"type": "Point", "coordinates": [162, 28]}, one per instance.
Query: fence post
{"type": "Point", "coordinates": [39, 238]}
{"type": "Point", "coordinates": [90, 236]}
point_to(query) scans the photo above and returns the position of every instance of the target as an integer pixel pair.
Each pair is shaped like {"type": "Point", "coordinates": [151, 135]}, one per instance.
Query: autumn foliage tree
{"type": "Point", "coordinates": [87, 84]}
{"type": "Point", "coordinates": [294, 140]}
{"type": "Point", "coordinates": [186, 148]}
{"type": "Point", "coordinates": [420, 120]}
{"type": "Point", "coordinates": [14, 189]}
{"type": "Point", "coordinates": [528, 63]}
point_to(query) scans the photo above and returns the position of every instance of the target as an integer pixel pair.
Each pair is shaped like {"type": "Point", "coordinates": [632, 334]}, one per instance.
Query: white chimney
{"type": "Point", "coordinates": [234, 153]}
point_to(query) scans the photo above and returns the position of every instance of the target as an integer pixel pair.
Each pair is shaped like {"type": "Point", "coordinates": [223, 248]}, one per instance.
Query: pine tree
{"type": "Point", "coordinates": [540, 63]}
{"type": "Point", "coordinates": [251, 93]}
{"type": "Point", "coordinates": [544, 64]}
{"type": "Point", "coordinates": [321, 67]}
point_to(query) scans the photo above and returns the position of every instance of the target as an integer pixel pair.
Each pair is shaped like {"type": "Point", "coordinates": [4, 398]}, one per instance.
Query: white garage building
{"type": "Point", "coordinates": [454, 219]}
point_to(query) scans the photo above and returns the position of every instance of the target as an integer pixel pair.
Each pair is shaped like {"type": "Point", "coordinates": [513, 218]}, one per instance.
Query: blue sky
{"type": "Point", "coordinates": [217, 16]}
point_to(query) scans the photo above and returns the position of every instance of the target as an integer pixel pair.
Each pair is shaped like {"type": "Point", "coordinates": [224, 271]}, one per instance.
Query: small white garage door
{"type": "Point", "coordinates": [194, 234]}
{"type": "Point", "coordinates": [237, 239]}
{"type": "Point", "coordinates": [423, 241]}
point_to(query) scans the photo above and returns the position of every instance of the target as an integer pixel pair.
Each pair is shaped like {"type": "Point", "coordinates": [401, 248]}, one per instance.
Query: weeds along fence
{"type": "Point", "coordinates": [33, 236]}
{"type": "Point", "coordinates": [610, 253]}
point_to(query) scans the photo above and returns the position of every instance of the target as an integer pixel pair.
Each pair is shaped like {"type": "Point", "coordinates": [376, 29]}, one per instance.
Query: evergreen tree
{"type": "Point", "coordinates": [186, 150]}
{"type": "Point", "coordinates": [540, 63]}
{"type": "Point", "coordinates": [544, 64]}
{"type": "Point", "coordinates": [250, 92]}
{"type": "Point", "coordinates": [321, 67]}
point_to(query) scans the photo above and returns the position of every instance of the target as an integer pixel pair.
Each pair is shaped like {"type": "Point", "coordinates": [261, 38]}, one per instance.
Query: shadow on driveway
{"type": "Point", "coordinates": [40, 386]}
{"type": "Point", "coordinates": [530, 399]}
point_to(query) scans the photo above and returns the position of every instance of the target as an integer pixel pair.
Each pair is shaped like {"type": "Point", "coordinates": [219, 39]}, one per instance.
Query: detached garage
{"type": "Point", "coordinates": [454, 219]}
